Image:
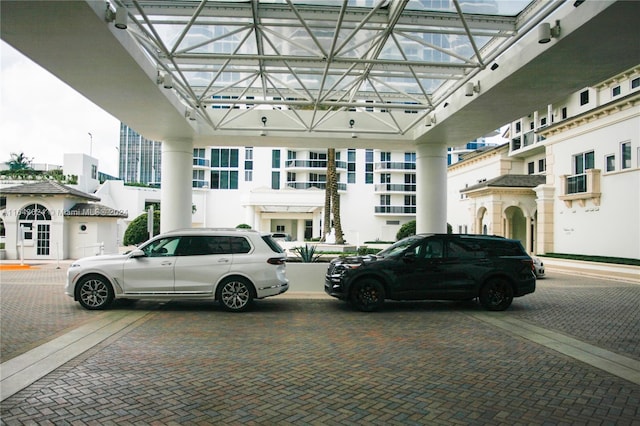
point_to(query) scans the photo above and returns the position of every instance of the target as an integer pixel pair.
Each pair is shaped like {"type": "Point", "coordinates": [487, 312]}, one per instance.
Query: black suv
{"type": "Point", "coordinates": [435, 267]}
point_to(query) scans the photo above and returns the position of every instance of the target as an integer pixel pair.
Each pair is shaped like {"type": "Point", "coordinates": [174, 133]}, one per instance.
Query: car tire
{"type": "Point", "coordinates": [367, 295]}
{"type": "Point", "coordinates": [94, 292]}
{"type": "Point", "coordinates": [235, 294]}
{"type": "Point", "coordinates": [496, 294]}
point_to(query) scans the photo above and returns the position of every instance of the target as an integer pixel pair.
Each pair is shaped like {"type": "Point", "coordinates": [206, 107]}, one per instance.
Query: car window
{"type": "Point", "coordinates": [162, 247]}
{"type": "Point", "coordinates": [464, 250]}
{"type": "Point", "coordinates": [196, 245]}
{"type": "Point", "coordinates": [400, 246]}
{"type": "Point", "coordinates": [431, 249]}
{"type": "Point", "coordinates": [275, 247]}
{"type": "Point", "coordinates": [240, 245]}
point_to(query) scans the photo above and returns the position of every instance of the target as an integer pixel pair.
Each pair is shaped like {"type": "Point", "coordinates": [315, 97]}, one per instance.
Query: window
{"type": "Point", "coordinates": [409, 200]}
{"type": "Point", "coordinates": [409, 157]}
{"type": "Point", "coordinates": [543, 121]}
{"type": "Point", "coordinates": [248, 164]}
{"type": "Point", "coordinates": [385, 178]}
{"type": "Point", "coordinates": [368, 166]}
{"type": "Point", "coordinates": [518, 127]}
{"type": "Point", "coordinates": [584, 97]}
{"type": "Point", "coordinates": [275, 180]}
{"type": "Point", "coordinates": [615, 91]}
{"type": "Point", "coordinates": [625, 154]}
{"type": "Point", "coordinates": [582, 162]}
{"type": "Point", "coordinates": [565, 113]}
{"type": "Point", "coordinates": [635, 83]}
{"type": "Point", "coordinates": [578, 182]}
{"type": "Point", "coordinates": [224, 157]}
{"type": "Point", "coordinates": [542, 165]}
{"type": "Point", "coordinates": [275, 159]}
{"type": "Point", "coordinates": [94, 171]}
{"type": "Point", "coordinates": [385, 156]}
{"type": "Point", "coordinates": [530, 168]}
{"type": "Point", "coordinates": [610, 162]}
{"type": "Point", "coordinates": [224, 179]}
{"type": "Point", "coordinates": [162, 247]}
{"type": "Point", "coordinates": [351, 165]}
{"type": "Point", "coordinates": [385, 200]}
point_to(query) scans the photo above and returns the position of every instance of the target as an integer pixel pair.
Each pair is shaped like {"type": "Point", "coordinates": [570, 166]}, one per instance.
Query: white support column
{"type": "Point", "coordinates": [176, 191]}
{"type": "Point", "coordinates": [431, 188]}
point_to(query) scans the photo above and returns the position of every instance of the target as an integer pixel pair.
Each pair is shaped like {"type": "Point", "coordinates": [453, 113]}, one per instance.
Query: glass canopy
{"type": "Point", "coordinates": [394, 57]}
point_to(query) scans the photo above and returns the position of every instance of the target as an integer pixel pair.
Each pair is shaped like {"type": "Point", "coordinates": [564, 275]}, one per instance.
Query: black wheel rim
{"type": "Point", "coordinates": [368, 295]}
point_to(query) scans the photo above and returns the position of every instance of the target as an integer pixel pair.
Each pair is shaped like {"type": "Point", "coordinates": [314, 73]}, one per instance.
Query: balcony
{"type": "Point", "coordinates": [390, 165]}
{"type": "Point", "coordinates": [318, 185]}
{"type": "Point", "coordinates": [199, 184]}
{"type": "Point", "coordinates": [202, 162]}
{"type": "Point", "coordinates": [525, 140]}
{"type": "Point", "coordinates": [312, 164]}
{"type": "Point", "coordinates": [408, 210]}
{"type": "Point", "coordinates": [581, 187]}
{"type": "Point", "coordinates": [395, 187]}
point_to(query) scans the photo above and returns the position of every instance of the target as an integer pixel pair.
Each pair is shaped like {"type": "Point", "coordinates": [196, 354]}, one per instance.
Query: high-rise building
{"type": "Point", "coordinates": [139, 160]}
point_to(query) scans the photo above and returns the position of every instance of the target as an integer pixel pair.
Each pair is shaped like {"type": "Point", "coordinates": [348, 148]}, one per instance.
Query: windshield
{"type": "Point", "coordinates": [400, 246]}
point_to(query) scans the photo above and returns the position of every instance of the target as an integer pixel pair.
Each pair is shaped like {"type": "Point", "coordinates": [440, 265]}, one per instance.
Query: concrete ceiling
{"type": "Point", "coordinates": [114, 69]}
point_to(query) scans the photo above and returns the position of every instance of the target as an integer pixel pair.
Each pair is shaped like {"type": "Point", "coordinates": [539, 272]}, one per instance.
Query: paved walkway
{"type": "Point", "coordinates": [568, 354]}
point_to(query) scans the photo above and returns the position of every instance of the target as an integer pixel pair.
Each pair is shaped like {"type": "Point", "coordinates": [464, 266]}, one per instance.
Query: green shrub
{"type": "Point", "coordinates": [406, 230]}
{"type": "Point", "coordinates": [137, 232]}
{"type": "Point", "coordinates": [243, 226]}
{"type": "Point", "coordinates": [307, 253]}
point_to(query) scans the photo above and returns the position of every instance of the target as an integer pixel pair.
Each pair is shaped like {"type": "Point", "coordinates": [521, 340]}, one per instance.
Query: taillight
{"type": "Point", "coordinates": [276, 261]}
{"type": "Point", "coordinates": [530, 263]}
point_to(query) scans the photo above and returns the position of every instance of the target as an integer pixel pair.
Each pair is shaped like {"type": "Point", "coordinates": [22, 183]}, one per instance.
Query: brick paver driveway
{"type": "Point", "coordinates": [302, 361]}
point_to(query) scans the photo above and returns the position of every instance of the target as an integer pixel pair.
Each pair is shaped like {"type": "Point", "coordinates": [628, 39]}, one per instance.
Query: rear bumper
{"type": "Point", "coordinates": [273, 290]}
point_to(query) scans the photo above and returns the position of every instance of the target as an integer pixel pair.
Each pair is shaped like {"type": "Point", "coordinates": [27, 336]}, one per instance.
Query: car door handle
{"type": "Point", "coordinates": [166, 263]}
{"type": "Point", "coordinates": [223, 260]}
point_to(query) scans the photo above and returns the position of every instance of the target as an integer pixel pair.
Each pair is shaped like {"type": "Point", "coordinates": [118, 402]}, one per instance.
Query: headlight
{"type": "Point", "coordinates": [74, 265]}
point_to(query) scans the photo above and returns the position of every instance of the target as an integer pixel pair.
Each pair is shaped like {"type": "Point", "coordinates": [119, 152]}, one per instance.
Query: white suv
{"type": "Point", "coordinates": [232, 266]}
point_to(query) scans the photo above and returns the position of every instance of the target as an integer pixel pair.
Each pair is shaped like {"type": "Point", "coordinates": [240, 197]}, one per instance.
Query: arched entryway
{"type": "Point", "coordinates": [34, 230]}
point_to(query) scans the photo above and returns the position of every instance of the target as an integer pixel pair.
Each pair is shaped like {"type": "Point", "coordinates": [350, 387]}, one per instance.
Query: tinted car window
{"type": "Point", "coordinates": [240, 245]}
{"type": "Point", "coordinates": [464, 250]}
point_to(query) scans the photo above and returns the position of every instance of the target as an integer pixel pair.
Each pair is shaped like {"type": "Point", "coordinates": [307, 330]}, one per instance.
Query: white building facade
{"type": "Point", "coordinates": [585, 152]}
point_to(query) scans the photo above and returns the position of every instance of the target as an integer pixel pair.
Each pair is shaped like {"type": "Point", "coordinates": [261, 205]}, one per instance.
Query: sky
{"type": "Point", "coordinates": [44, 118]}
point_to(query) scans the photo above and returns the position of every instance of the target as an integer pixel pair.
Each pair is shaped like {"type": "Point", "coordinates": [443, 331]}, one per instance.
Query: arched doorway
{"type": "Point", "coordinates": [516, 224]}
{"type": "Point", "coordinates": [34, 226]}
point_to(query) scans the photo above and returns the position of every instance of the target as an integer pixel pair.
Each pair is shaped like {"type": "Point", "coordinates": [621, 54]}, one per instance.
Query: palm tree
{"type": "Point", "coordinates": [19, 161]}
{"type": "Point", "coordinates": [332, 198]}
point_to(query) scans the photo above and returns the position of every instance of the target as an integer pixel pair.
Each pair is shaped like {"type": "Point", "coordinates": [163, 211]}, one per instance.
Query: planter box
{"type": "Point", "coordinates": [306, 277]}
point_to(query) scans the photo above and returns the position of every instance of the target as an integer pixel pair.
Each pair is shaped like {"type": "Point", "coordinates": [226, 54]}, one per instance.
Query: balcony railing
{"type": "Point", "coordinates": [581, 187]}
{"type": "Point", "coordinates": [313, 164]}
{"type": "Point", "coordinates": [396, 209]}
{"type": "Point", "coordinates": [576, 184]}
{"type": "Point", "coordinates": [527, 139]}
{"type": "Point", "coordinates": [199, 183]}
{"type": "Point", "coordinates": [395, 187]}
{"type": "Point", "coordinates": [319, 185]}
{"type": "Point", "coordinates": [390, 165]}
{"type": "Point", "coordinates": [201, 162]}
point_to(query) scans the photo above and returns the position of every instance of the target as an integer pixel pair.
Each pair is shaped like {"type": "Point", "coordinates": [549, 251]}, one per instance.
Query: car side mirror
{"type": "Point", "coordinates": [136, 253]}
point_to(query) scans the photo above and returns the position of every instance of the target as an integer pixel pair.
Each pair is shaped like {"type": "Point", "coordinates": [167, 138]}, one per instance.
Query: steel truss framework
{"type": "Point", "coordinates": [310, 60]}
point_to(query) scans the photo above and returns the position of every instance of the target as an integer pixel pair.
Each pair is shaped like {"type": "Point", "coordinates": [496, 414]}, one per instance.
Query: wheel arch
{"type": "Point", "coordinates": [497, 275]}
{"type": "Point", "coordinates": [76, 288]}
{"type": "Point", "coordinates": [252, 286]}
{"type": "Point", "coordinates": [378, 277]}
